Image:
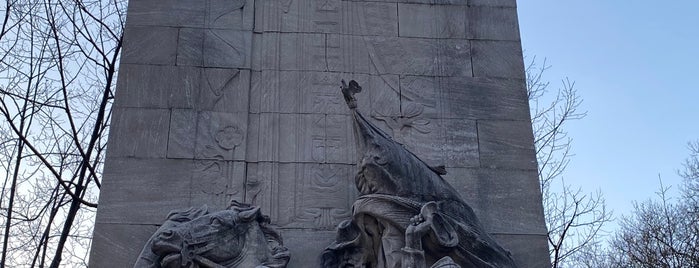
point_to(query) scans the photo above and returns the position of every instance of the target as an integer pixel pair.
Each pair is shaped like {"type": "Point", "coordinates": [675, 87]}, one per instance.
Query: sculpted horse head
{"type": "Point", "coordinates": [235, 237]}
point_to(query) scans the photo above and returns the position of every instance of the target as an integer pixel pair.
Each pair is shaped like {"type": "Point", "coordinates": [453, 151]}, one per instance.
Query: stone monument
{"type": "Point", "coordinates": [221, 100]}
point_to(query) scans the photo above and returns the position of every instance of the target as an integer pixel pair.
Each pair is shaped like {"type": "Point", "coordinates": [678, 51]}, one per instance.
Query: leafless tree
{"type": "Point", "coordinates": [658, 233]}
{"type": "Point", "coordinates": [573, 218]}
{"type": "Point", "coordinates": [58, 65]}
{"type": "Point", "coordinates": [661, 232]}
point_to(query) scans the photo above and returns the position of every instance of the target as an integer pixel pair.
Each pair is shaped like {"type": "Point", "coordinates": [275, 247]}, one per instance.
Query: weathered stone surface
{"type": "Point", "coordinates": [515, 193]}
{"type": "Point", "coordinates": [348, 53]}
{"type": "Point", "coordinates": [497, 59]}
{"type": "Point", "coordinates": [215, 183]}
{"type": "Point", "coordinates": [461, 143]}
{"type": "Point", "coordinates": [150, 45]}
{"type": "Point", "coordinates": [433, 2]}
{"type": "Point", "coordinates": [221, 136]}
{"type": "Point", "coordinates": [483, 98]}
{"type": "Point", "coordinates": [426, 137]}
{"type": "Point", "coordinates": [190, 47]}
{"type": "Point", "coordinates": [493, 3]}
{"type": "Point", "coordinates": [177, 13]}
{"type": "Point", "coordinates": [224, 90]}
{"type": "Point", "coordinates": [182, 134]}
{"type": "Point", "coordinates": [529, 250]}
{"type": "Point", "coordinates": [290, 51]}
{"type": "Point", "coordinates": [302, 52]}
{"type": "Point", "coordinates": [417, 56]}
{"type": "Point", "coordinates": [311, 16]}
{"type": "Point", "coordinates": [433, 21]}
{"type": "Point", "coordinates": [138, 132]}
{"type": "Point", "coordinates": [143, 191]}
{"type": "Point", "coordinates": [506, 144]}
{"type": "Point", "coordinates": [493, 23]}
{"type": "Point", "coordinates": [155, 86]}
{"type": "Point", "coordinates": [301, 138]}
{"type": "Point", "coordinates": [302, 241]}
{"type": "Point", "coordinates": [227, 14]}
{"type": "Point", "coordinates": [302, 195]}
{"type": "Point", "coordinates": [227, 48]}
{"type": "Point", "coordinates": [370, 18]}
{"type": "Point", "coordinates": [422, 92]}
{"type": "Point", "coordinates": [113, 244]}
{"type": "Point", "coordinates": [465, 97]}
{"type": "Point", "coordinates": [316, 92]}
{"type": "Point", "coordinates": [327, 16]}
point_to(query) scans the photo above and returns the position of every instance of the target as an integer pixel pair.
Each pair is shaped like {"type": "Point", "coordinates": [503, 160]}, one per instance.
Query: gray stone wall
{"type": "Point", "coordinates": [239, 99]}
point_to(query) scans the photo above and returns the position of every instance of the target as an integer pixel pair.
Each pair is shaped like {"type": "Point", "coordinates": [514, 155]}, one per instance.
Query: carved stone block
{"type": "Point", "coordinates": [461, 143]}
{"type": "Point", "coordinates": [433, 2]}
{"type": "Point", "coordinates": [268, 15]}
{"type": "Point", "coordinates": [493, 3]}
{"type": "Point", "coordinates": [150, 45]}
{"type": "Point", "coordinates": [176, 13]}
{"type": "Point", "coordinates": [302, 52]}
{"type": "Point", "coordinates": [227, 48]}
{"type": "Point", "coordinates": [266, 51]}
{"type": "Point", "coordinates": [319, 16]}
{"type": "Point", "coordinates": [464, 97]}
{"type": "Point", "coordinates": [497, 59]}
{"type": "Point", "coordinates": [301, 138]}
{"type": "Point", "coordinates": [338, 140]}
{"type": "Point", "coordinates": [528, 250]}
{"type": "Point", "coordinates": [303, 195]}
{"type": "Point", "coordinates": [504, 144]}
{"type": "Point", "coordinates": [154, 86]}
{"type": "Point", "coordinates": [348, 53]}
{"type": "Point", "coordinates": [215, 183]}
{"type": "Point", "coordinates": [513, 192]}
{"type": "Point", "coordinates": [224, 90]}
{"type": "Point", "coordinates": [302, 241]}
{"type": "Point", "coordinates": [426, 138]}
{"type": "Point", "coordinates": [139, 132]}
{"type": "Point", "coordinates": [221, 136]}
{"type": "Point", "coordinates": [414, 56]}
{"type": "Point", "coordinates": [484, 98]}
{"type": "Point", "coordinates": [317, 92]}
{"type": "Point", "coordinates": [134, 182]}
{"type": "Point", "coordinates": [326, 16]}
{"type": "Point", "coordinates": [493, 23]}
{"type": "Point", "coordinates": [227, 14]}
{"type": "Point", "coordinates": [190, 47]}
{"type": "Point", "coordinates": [182, 134]}
{"type": "Point", "coordinates": [290, 51]}
{"type": "Point", "coordinates": [423, 94]}
{"type": "Point", "coordinates": [289, 137]}
{"type": "Point", "coordinates": [370, 18]}
{"type": "Point", "coordinates": [109, 236]}
{"type": "Point", "coordinates": [433, 21]}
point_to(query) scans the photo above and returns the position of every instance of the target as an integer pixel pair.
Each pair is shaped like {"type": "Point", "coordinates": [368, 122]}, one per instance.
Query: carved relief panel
{"type": "Point", "coordinates": [302, 195]}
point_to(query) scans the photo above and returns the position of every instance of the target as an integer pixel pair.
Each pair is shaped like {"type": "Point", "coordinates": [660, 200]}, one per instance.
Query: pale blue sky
{"type": "Point", "coordinates": [635, 66]}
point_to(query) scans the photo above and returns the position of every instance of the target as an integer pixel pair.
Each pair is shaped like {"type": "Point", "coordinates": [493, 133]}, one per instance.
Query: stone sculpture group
{"type": "Point", "coordinates": [407, 215]}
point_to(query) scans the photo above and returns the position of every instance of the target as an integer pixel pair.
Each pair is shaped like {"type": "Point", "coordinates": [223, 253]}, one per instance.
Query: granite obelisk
{"type": "Point", "coordinates": [238, 99]}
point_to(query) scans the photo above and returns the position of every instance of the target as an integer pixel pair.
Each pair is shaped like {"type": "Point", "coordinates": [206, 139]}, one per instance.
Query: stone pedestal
{"type": "Point", "coordinates": [239, 99]}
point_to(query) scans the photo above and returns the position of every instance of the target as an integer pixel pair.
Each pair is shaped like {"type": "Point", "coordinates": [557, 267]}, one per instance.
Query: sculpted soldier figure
{"type": "Point", "coordinates": [407, 215]}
